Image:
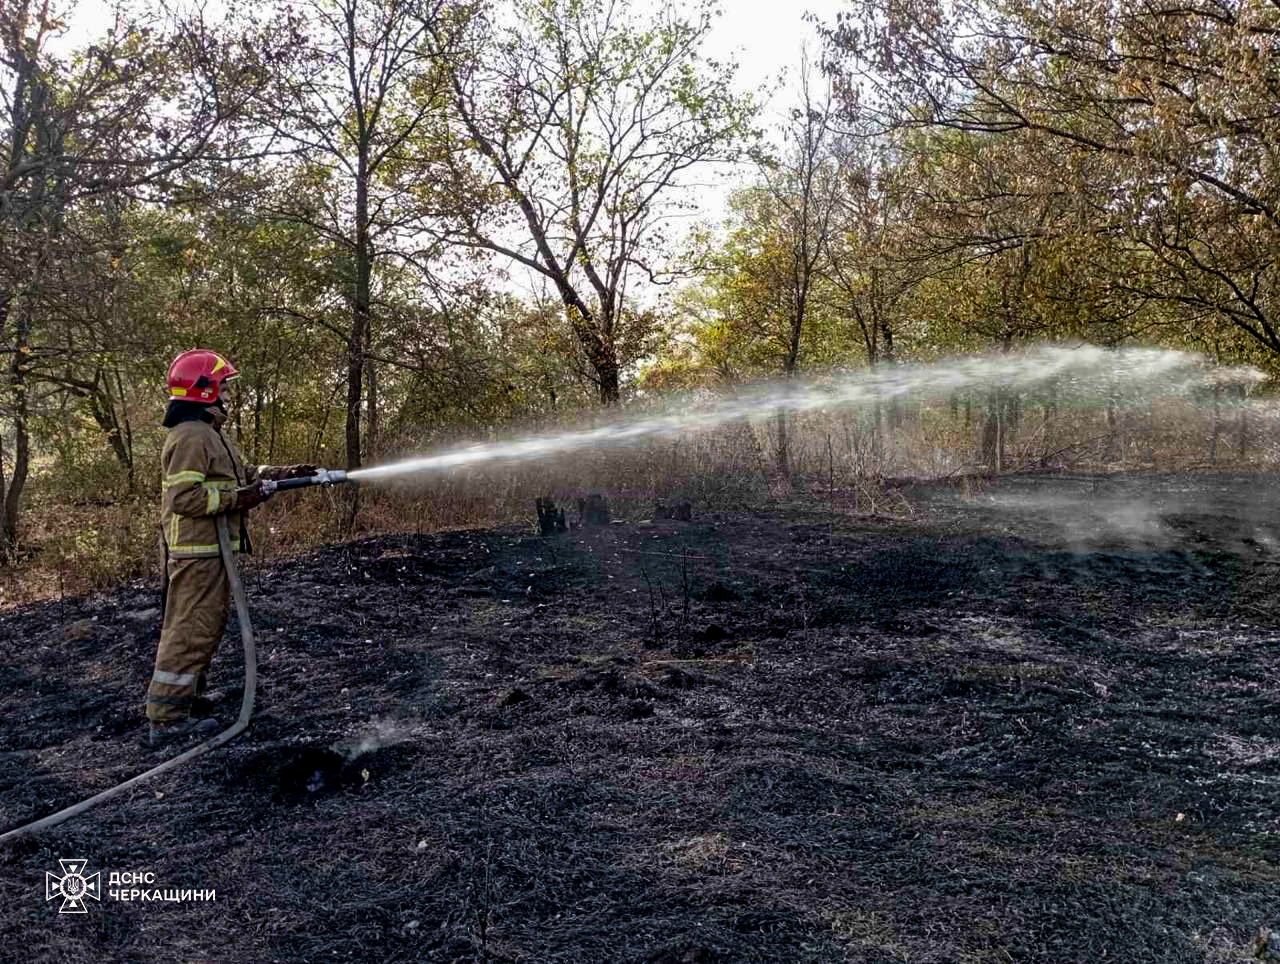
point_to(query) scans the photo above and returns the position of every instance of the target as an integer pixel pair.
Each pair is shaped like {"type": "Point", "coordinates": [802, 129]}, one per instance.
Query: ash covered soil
{"type": "Point", "coordinates": [1036, 723]}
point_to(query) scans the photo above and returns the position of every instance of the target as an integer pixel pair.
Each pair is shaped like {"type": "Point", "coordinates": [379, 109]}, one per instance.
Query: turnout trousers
{"type": "Point", "coordinates": [195, 615]}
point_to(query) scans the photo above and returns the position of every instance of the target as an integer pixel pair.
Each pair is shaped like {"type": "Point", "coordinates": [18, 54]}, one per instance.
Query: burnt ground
{"type": "Point", "coordinates": [1036, 723]}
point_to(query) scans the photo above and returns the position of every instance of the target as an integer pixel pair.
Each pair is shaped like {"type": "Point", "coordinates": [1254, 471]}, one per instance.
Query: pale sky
{"type": "Point", "coordinates": [765, 37]}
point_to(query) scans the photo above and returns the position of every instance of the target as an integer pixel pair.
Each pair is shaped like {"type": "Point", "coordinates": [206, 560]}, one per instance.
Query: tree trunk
{"type": "Point", "coordinates": [992, 442]}
{"type": "Point", "coordinates": [1242, 429]}
{"type": "Point", "coordinates": [1114, 450]}
{"type": "Point", "coordinates": [271, 439]}
{"type": "Point", "coordinates": [125, 429]}
{"type": "Point", "coordinates": [104, 415]}
{"type": "Point", "coordinates": [1217, 424]}
{"type": "Point", "coordinates": [1048, 413]}
{"type": "Point", "coordinates": [372, 439]}
{"type": "Point", "coordinates": [5, 302]}
{"type": "Point", "coordinates": [783, 454]}
{"type": "Point", "coordinates": [4, 550]}
{"type": "Point", "coordinates": [789, 372]}
{"type": "Point", "coordinates": [1013, 412]}
{"type": "Point", "coordinates": [606, 366]}
{"type": "Point", "coordinates": [894, 407]}
{"type": "Point", "coordinates": [372, 422]}
{"type": "Point", "coordinates": [22, 440]}
{"type": "Point", "coordinates": [257, 423]}
{"type": "Point", "coordinates": [359, 318]}
{"type": "Point", "coordinates": [595, 339]}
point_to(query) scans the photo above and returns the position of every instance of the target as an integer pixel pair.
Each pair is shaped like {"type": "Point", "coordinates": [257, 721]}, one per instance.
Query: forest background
{"type": "Point", "coordinates": [412, 223]}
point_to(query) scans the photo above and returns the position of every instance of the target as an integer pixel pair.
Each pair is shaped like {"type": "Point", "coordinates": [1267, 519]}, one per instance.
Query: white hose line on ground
{"type": "Point", "coordinates": [236, 728]}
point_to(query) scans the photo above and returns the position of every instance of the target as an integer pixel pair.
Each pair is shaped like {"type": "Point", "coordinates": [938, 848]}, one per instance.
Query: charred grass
{"type": "Point", "coordinates": [782, 734]}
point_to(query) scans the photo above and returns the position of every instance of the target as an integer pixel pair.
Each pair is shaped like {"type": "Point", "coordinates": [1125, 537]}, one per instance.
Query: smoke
{"type": "Point", "coordinates": [1086, 518]}
{"type": "Point", "coordinates": [1142, 513]}
{"type": "Point", "coordinates": [1083, 372]}
{"type": "Point", "coordinates": [381, 733]}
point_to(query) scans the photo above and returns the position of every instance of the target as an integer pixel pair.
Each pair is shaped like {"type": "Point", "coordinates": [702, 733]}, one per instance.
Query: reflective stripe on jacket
{"type": "Point", "coordinates": [202, 469]}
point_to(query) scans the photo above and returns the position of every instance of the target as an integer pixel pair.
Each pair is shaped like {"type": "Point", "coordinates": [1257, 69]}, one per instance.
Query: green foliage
{"type": "Point", "coordinates": [571, 137]}
{"type": "Point", "coordinates": [341, 217]}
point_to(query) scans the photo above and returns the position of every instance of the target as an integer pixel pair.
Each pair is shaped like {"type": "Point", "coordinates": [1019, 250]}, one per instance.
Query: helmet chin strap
{"type": "Point", "coordinates": [219, 413]}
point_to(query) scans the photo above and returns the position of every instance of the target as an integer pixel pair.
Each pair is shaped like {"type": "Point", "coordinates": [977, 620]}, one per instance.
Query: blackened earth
{"type": "Point", "coordinates": [1036, 722]}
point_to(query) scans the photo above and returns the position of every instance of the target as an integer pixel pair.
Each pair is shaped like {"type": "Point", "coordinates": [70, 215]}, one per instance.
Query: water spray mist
{"type": "Point", "coordinates": [1080, 370]}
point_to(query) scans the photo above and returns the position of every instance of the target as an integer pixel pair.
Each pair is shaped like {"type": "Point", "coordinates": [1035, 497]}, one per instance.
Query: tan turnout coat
{"type": "Point", "coordinates": [202, 469]}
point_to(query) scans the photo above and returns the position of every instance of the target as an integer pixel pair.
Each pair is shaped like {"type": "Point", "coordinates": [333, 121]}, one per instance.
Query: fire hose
{"type": "Point", "coordinates": [323, 477]}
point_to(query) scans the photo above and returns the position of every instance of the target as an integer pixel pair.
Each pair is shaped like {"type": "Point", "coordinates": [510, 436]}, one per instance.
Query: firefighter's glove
{"type": "Point", "coordinates": [251, 496]}
{"type": "Point", "coordinates": [282, 472]}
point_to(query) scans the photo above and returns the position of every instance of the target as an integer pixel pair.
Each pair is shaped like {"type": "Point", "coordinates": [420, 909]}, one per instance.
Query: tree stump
{"type": "Point", "coordinates": [594, 510]}
{"type": "Point", "coordinates": [550, 519]}
{"type": "Point", "coordinates": [680, 512]}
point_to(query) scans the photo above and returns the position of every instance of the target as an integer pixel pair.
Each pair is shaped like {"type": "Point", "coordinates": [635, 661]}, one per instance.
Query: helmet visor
{"type": "Point", "coordinates": [229, 390]}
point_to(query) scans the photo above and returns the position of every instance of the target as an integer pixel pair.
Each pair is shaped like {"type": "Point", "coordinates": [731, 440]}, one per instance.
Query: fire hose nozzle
{"type": "Point", "coordinates": [324, 477]}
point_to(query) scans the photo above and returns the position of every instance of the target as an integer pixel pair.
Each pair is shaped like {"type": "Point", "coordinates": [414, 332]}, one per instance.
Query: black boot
{"type": "Point", "coordinates": [206, 705]}
{"type": "Point", "coordinates": [168, 734]}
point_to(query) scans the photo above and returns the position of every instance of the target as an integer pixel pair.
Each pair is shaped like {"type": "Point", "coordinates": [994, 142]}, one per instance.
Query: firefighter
{"type": "Point", "coordinates": [204, 476]}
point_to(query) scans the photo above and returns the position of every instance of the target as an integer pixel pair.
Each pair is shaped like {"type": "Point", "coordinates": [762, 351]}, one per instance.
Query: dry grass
{"type": "Point", "coordinates": [852, 460]}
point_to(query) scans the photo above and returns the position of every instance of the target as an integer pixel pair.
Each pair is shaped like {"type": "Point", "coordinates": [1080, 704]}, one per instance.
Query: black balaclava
{"type": "Point", "coordinates": [180, 410]}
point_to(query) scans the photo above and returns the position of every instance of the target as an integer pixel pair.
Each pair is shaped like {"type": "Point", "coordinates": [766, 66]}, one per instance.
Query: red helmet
{"type": "Point", "coordinates": [197, 376]}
